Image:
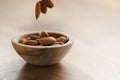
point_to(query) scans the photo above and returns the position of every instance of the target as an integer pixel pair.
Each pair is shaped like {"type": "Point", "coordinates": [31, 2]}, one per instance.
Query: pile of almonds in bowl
{"type": "Point", "coordinates": [44, 39]}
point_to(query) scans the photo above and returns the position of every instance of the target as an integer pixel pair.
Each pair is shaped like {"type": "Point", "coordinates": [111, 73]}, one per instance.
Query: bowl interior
{"type": "Point", "coordinates": [54, 34]}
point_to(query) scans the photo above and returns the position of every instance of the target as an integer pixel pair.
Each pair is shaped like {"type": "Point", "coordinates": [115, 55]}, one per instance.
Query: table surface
{"type": "Point", "coordinates": [94, 25]}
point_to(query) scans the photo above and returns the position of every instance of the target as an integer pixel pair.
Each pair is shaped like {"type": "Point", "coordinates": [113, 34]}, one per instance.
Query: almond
{"type": "Point", "coordinates": [61, 43]}
{"type": "Point", "coordinates": [34, 37]}
{"type": "Point", "coordinates": [57, 43]}
{"type": "Point", "coordinates": [62, 39]}
{"type": "Point", "coordinates": [49, 4]}
{"type": "Point", "coordinates": [32, 42]}
{"type": "Point", "coordinates": [23, 40]}
{"type": "Point", "coordinates": [43, 34]}
{"type": "Point", "coordinates": [28, 37]}
{"type": "Point", "coordinates": [43, 7]}
{"type": "Point", "coordinates": [37, 9]}
{"type": "Point", "coordinates": [47, 40]}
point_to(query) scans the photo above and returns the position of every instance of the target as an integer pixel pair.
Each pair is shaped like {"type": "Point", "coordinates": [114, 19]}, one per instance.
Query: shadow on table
{"type": "Point", "coordinates": [60, 71]}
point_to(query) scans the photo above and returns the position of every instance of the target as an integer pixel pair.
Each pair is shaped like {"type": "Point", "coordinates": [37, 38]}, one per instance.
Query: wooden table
{"type": "Point", "coordinates": [94, 25]}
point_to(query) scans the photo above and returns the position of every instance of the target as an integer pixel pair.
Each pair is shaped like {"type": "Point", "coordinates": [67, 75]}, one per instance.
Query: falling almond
{"type": "Point", "coordinates": [43, 7]}
{"type": "Point", "coordinates": [49, 4]}
{"type": "Point", "coordinates": [37, 9]}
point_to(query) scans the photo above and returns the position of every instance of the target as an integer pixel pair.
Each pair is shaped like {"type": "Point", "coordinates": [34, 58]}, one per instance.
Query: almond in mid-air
{"type": "Point", "coordinates": [43, 7]}
{"type": "Point", "coordinates": [37, 9]}
{"type": "Point", "coordinates": [49, 4]}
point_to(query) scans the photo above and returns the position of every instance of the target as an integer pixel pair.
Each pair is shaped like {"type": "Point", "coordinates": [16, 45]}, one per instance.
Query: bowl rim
{"type": "Point", "coordinates": [16, 39]}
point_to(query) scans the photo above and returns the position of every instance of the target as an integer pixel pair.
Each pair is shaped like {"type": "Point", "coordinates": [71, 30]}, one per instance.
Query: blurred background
{"type": "Point", "coordinates": [94, 25]}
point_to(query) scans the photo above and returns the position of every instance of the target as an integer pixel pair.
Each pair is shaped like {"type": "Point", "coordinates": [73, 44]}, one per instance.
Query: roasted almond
{"type": "Point", "coordinates": [28, 37]}
{"type": "Point", "coordinates": [47, 40]}
{"type": "Point", "coordinates": [49, 4]}
{"type": "Point", "coordinates": [32, 42]}
{"type": "Point", "coordinates": [37, 9]}
{"type": "Point", "coordinates": [57, 43]}
{"type": "Point", "coordinates": [43, 34]}
{"type": "Point", "coordinates": [34, 37]}
{"type": "Point", "coordinates": [43, 7]}
{"type": "Point", "coordinates": [62, 39]}
{"type": "Point", "coordinates": [23, 40]}
{"type": "Point", "coordinates": [61, 43]}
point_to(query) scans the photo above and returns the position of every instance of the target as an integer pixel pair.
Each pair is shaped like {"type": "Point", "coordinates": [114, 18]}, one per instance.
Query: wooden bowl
{"type": "Point", "coordinates": [42, 55]}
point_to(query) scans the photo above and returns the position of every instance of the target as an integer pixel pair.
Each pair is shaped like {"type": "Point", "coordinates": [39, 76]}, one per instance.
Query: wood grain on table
{"type": "Point", "coordinates": [94, 25]}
